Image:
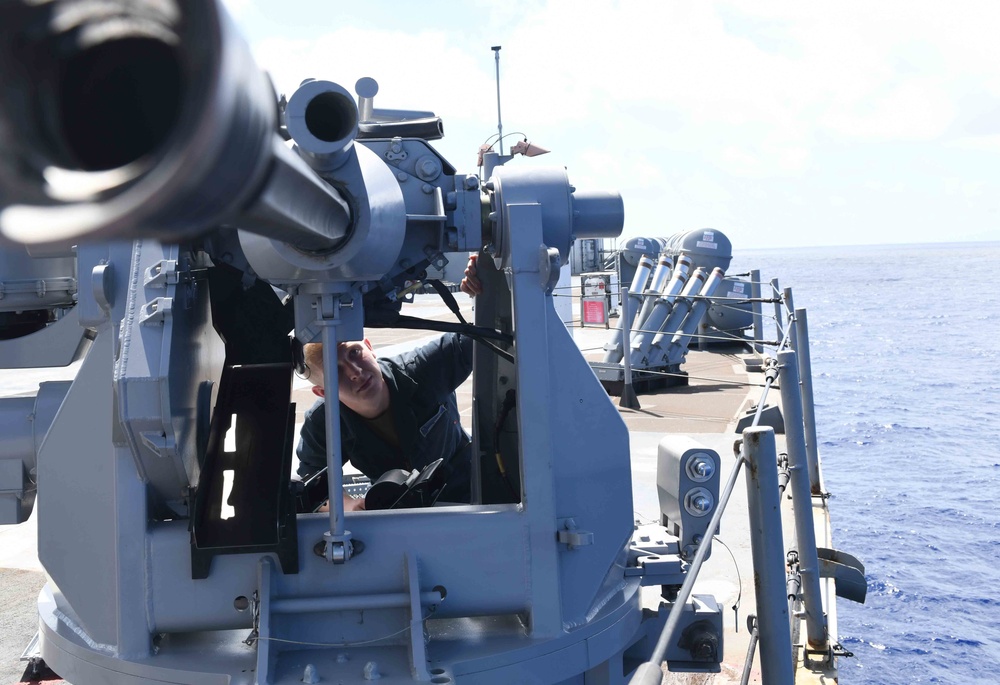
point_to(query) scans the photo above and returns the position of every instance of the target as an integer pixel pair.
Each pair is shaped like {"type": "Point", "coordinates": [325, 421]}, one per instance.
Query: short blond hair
{"type": "Point", "coordinates": [312, 355]}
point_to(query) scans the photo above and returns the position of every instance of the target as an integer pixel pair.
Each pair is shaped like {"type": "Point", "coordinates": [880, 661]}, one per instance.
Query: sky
{"type": "Point", "coordinates": [782, 124]}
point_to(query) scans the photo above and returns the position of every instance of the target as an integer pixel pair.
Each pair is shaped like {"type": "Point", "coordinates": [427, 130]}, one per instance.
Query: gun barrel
{"type": "Point", "coordinates": [142, 118]}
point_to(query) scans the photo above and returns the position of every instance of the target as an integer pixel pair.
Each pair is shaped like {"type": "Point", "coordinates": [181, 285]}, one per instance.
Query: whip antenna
{"type": "Point", "coordinates": [496, 52]}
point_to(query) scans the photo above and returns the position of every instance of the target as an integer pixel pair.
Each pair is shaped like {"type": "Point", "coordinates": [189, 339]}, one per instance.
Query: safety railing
{"type": "Point", "coordinates": [771, 627]}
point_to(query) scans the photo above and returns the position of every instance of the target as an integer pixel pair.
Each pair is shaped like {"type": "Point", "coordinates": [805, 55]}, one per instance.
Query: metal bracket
{"type": "Point", "coordinates": [847, 572]}
{"type": "Point", "coordinates": [161, 274]}
{"type": "Point", "coordinates": [262, 631]}
{"type": "Point", "coordinates": [396, 152]}
{"type": "Point", "coordinates": [156, 311]}
{"type": "Point", "coordinates": [337, 549]}
{"type": "Point", "coordinates": [255, 631]}
{"type": "Point", "coordinates": [549, 265]}
{"type": "Point", "coordinates": [418, 646]}
{"type": "Point", "coordinates": [159, 442]}
{"type": "Point", "coordinates": [657, 570]}
{"type": "Point", "coordinates": [828, 654]}
{"type": "Point", "coordinates": [102, 285]}
{"type": "Point", "coordinates": [838, 650]}
{"type": "Point", "coordinates": [820, 656]}
{"type": "Point", "coordinates": [571, 537]}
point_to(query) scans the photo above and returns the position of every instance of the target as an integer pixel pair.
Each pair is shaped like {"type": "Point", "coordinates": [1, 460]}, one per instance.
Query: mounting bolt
{"type": "Point", "coordinates": [427, 168]}
{"type": "Point", "coordinates": [698, 502]}
{"type": "Point", "coordinates": [370, 671]}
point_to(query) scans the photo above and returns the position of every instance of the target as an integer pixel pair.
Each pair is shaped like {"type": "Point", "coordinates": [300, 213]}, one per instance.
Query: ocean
{"type": "Point", "coordinates": [905, 344]}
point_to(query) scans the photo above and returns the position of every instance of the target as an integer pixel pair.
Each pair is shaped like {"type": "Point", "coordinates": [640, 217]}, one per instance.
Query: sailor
{"type": "Point", "coordinates": [396, 412]}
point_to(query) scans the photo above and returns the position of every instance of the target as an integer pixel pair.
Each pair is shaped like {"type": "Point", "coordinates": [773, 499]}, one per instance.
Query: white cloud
{"type": "Point", "coordinates": [404, 81]}
{"type": "Point", "coordinates": [686, 100]}
{"type": "Point", "coordinates": [916, 110]}
{"type": "Point", "coordinates": [963, 188]}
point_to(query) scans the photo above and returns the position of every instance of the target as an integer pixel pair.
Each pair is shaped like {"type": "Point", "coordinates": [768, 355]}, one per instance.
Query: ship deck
{"type": "Point", "coordinates": [719, 390]}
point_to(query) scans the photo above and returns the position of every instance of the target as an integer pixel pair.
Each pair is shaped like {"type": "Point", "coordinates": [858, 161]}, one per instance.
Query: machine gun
{"type": "Point", "coordinates": [146, 174]}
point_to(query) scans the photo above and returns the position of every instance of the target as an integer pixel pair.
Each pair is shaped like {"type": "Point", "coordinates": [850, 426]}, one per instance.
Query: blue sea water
{"type": "Point", "coordinates": [905, 347]}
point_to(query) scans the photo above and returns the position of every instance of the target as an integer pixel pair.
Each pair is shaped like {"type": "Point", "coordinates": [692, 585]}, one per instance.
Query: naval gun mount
{"type": "Point", "coordinates": [173, 226]}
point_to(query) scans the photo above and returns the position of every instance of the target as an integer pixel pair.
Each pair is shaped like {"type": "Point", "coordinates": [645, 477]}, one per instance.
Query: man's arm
{"type": "Point", "coordinates": [444, 363]}
{"type": "Point", "coordinates": [311, 449]}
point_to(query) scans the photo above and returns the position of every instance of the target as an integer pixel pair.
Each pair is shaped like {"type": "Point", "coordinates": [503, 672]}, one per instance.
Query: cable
{"type": "Point", "coordinates": [509, 401]}
{"type": "Point", "coordinates": [446, 295]}
{"type": "Point", "coordinates": [645, 519]}
{"type": "Point", "coordinates": [646, 372]}
{"type": "Point", "coordinates": [739, 578]}
{"type": "Point", "coordinates": [506, 135]}
{"type": "Point", "coordinates": [412, 322]}
{"type": "Point", "coordinates": [257, 638]}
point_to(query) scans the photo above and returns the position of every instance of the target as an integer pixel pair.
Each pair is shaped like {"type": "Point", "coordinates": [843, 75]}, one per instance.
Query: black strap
{"type": "Point", "coordinates": [478, 332]}
{"type": "Point", "coordinates": [448, 298]}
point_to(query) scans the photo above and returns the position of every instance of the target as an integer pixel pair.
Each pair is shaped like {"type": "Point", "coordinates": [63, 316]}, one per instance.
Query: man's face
{"type": "Point", "coordinates": [361, 386]}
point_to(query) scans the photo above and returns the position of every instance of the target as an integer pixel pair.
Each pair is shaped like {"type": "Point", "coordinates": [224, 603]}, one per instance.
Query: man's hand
{"type": "Point", "coordinates": [471, 285]}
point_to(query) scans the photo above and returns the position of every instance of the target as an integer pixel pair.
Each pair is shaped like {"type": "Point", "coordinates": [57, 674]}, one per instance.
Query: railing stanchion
{"type": "Point", "coordinates": [789, 315]}
{"type": "Point", "coordinates": [755, 306]}
{"type": "Point", "coordinates": [778, 318]}
{"type": "Point", "coordinates": [808, 408]}
{"type": "Point", "coordinates": [628, 398]}
{"type": "Point", "coordinates": [795, 443]}
{"type": "Point", "coordinates": [763, 503]}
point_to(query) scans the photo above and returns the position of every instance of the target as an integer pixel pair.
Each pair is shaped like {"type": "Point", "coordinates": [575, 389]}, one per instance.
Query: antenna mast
{"type": "Point", "coordinates": [496, 52]}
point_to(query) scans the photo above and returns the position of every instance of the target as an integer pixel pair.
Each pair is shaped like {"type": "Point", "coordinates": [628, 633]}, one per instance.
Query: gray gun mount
{"type": "Point", "coordinates": [146, 155]}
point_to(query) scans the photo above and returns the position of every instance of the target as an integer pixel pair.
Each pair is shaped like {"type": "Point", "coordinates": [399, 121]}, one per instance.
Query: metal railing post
{"type": "Point", "coordinates": [755, 307]}
{"type": "Point", "coordinates": [789, 317]}
{"type": "Point", "coordinates": [778, 318]}
{"type": "Point", "coordinates": [808, 408]}
{"type": "Point", "coordinates": [763, 503]}
{"type": "Point", "coordinates": [628, 398]}
{"type": "Point", "coordinates": [795, 443]}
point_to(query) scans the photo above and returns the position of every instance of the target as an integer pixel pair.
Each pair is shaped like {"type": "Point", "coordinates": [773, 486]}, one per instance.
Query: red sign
{"type": "Point", "coordinates": [594, 312]}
